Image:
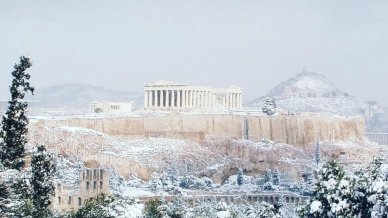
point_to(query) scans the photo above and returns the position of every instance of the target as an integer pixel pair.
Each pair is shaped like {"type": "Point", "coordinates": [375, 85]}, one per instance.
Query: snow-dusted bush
{"type": "Point", "coordinates": [193, 182]}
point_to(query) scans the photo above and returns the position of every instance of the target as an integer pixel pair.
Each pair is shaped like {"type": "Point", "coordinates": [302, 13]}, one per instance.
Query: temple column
{"type": "Point", "coordinates": [233, 100]}
{"type": "Point", "coordinates": [205, 105]}
{"type": "Point", "coordinates": [179, 98]}
{"type": "Point", "coordinates": [194, 98]}
{"type": "Point", "coordinates": [184, 99]}
{"type": "Point", "coordinates": [161, 98]}
{"type": "Point", "coordinates": [172, 98]}
{"type": "Point", "coordinates": [149, 98]}
{"type": "Point", "coordinates": [200, 98]}
{"type": "Point", "coordinates": [239, 101]}
{"type": "Point", "coordinates": [191, 98]}
{"type": "Point", "coordinates": [167, 98]}
{"type": "Point", "coordinates": [154, 98]}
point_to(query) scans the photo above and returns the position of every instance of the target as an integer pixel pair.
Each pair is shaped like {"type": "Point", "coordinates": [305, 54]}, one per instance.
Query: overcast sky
{"type": "Point", "coordinates": [253, 44]}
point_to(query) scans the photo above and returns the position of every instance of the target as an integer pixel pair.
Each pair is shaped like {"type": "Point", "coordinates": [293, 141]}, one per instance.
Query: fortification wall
{"type": "Point", "coordinates": [294, 130]}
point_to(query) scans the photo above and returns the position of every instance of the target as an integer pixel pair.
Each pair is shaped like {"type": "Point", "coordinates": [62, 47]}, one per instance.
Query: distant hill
{"type": "Point", "coordinates": [311, 92]}
{"type": "Point", "coordinates": [75, 98]}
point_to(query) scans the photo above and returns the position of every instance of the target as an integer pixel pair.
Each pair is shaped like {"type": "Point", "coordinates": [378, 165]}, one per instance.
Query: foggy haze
{"type": "Point", "coordinates": [253, 44]}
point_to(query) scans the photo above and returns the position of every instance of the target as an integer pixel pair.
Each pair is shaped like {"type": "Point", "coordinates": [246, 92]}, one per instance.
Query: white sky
{"type": "Point", "coordinates": [253, 44]}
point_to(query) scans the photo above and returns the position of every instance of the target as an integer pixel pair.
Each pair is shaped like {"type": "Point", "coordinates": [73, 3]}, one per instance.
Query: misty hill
{"type": "Point", "coordinates": [77, 98]}
{"type": "Point", "coordinates": [311, 92]}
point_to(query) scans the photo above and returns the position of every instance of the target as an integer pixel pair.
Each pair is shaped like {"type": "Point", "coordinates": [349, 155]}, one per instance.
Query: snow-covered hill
{"type": "Point", "coordinates": [77, 98]}
{"type": "Point", "coordinates": [311, 92]}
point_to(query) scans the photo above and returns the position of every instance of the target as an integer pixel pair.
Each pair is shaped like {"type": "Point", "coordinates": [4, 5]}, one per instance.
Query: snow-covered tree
{"type": "Point", "coordinates": [331, 194]}
{"type": "Point", "coordinates": [4, 200]}
{"type": "Point", "coordinates": [95, 207]}
{"type": "Point", "coordinates": [370, 197]}
{"type": "Point", "coordinates": [15, 121]}
{"type": "Point", "coordinates": [16, 197]}
{"type": "Point", "coordinates": [317, 153]}
{"type": "Point", "coordinates": [275, 177]}
{"type": "Point", "coordinates": [269, 106]}
{"type": "Point", "coordinates": [268, 176]}
{"type": "Point", "coordinates": [155, 184]}
{"type": "Point", "coordinates": [240, 177]}
{"type": "Point", "coordinates": [153, 209]}
{"type": "Point", "coordinates": [42, 181]}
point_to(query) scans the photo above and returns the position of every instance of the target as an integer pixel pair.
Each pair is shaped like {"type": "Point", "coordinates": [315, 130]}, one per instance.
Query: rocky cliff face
{"type": "Point", "coordinates": [216, 158]}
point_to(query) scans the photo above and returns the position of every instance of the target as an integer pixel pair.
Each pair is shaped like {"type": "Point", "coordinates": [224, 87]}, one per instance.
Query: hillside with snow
{"type": "Point", "coordinates": [73, 98]}
{"type": "Point", "coordinates": [311, 92]}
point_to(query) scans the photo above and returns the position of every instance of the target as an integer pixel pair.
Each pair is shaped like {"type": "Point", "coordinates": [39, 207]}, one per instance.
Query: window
{"type": "Point", "coordinates": [59, 200]}
{"type": "Point", "coordinates": [100, 185]}
{"type": "Point", "coordinates": [79, 202]}
{"type": "Point", "coordinates": [94, 174]}
{"type": "Point", "coordinates": [59, 186]}
{"type": "Point", "coordinates": [69, 200]}
{"type": "Point", "coordinates": [87, 185]}
{"type": "Point", "coordinates": [83, 176]}
{"type": "Point", "coordinates": [101, 172]}
{"type": "Point", "coordinates": [94, 185]}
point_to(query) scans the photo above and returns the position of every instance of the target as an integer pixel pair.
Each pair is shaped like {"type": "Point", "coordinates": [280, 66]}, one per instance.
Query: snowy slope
{"type": "Point", "coordinates": [311, 92]}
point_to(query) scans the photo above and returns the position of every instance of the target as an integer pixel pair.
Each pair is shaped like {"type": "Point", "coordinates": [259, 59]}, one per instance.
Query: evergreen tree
{"type": "Point", "coordinates": [371, 191]}
{"type": "Point", "coordinates": [95, 207]}
{"type": "Point", "coordinates": [240, 178]}
{"type": "Point", "coordinates": [4, 199]}
{"type": "Point", "coordinates": [269, 106]}
{"type": "Point", "coordinates": [42, 181]}
{"type": "Point", "coordinates": [275, 176]}
{"type": "Point", "coordinates": [268, 176]}
{"type": "Point", "coordinates": [331, 194]}
{"type": "Point", "coordinates": [317, 153]}
{"type": "Point", "coordinates": [15, 121]}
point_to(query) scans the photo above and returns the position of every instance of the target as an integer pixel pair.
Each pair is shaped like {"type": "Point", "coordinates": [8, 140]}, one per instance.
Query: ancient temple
{"type": "Point", "coordinates": [173, 95]}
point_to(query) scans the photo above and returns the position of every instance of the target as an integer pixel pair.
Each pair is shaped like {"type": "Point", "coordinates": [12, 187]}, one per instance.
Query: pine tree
{"type": "Point", "coordinates": [4, 199]}
{"type": "Point", "coordinates": [269, 106]}
{"type": "Point", "coordinates": [331, 194]}
{"type": "Point", "coordinates": [15, 121]}
{"type": "Point", "coordinates": [317, 153]}
{"type": "Point", "coordinates": [268, 176]}
{"type": "Point", "coordinates": [240, 178]}
{"type": "Point", "coordinates": [275, 176]}
{"type": "Point", "coordinates": [42, 181]}
{"type": "Point", "coordinates": [371, 190]}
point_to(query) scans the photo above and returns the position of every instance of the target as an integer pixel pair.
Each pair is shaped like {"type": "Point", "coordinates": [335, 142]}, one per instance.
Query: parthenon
{"type": "Point", "coordinates": [172, 95]}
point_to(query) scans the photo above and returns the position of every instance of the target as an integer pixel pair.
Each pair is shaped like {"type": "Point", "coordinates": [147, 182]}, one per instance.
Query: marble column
{"type": "Point", "coordinates": [172, 98]}
{"type": "Point", "coordinates": [161, 98]}
{"type": "Point", "coordinates": [167, 98]}
{"type": "Point", "coordinates": [184, 99]}
{"type": "Point", "coordinates": [179, 99]}
{"type": "Point", "coordinates": [149, 99]}
{"type": "Point", "coordinates": [155, 93]}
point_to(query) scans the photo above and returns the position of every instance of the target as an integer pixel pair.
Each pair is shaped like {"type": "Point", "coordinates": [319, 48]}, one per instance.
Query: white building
{"type": "Point", "coordinates": [111, 107]}
{"type": "Point", "coordinates": [172, 95]}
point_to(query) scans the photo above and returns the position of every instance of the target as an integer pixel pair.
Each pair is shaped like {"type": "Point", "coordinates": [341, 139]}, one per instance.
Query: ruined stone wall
{"type": "Point", "coordinates": [91, 183]}
{"type": "Point", "coordinates": [294, 130]}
